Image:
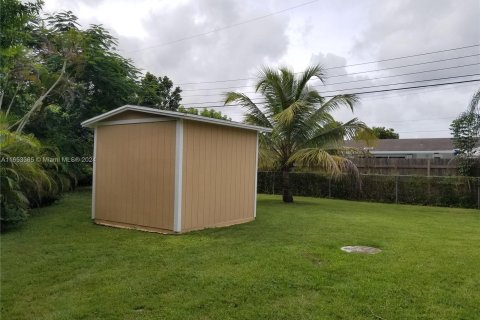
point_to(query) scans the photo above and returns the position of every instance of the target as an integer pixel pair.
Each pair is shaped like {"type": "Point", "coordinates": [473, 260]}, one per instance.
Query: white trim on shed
{"type": "Point", "coordinates": [177, 211]}
{"type": "Point", "coordinates": [177, 115]}
{"type": "Point", "coordinates": [94, 171]}
{"type": "Point", "coordinates": [256, 177]}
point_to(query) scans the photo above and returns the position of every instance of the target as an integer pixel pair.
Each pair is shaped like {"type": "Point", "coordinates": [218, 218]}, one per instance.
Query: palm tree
{"type": "Point", "coordinates": [304, 133]}
{"type": "Point", "coordinates": [473, 106]}
{"type": "Point", "coordinates": [20, 175]}
{"type": "Point", "coordinates": [25, 180]}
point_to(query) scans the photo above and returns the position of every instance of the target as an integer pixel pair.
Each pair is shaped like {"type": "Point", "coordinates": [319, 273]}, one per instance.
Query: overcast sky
{"type": "Point", "coordinates": [174, 38]}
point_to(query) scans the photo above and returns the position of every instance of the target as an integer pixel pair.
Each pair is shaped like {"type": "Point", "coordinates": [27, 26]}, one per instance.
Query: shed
{"type": "Point", "coordinates": [172, 172]}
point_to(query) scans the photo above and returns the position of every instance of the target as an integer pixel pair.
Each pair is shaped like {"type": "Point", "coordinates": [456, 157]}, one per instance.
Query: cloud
{"type": "Point", "coordinates": [333, 33]}
{"type": "Point", "coordinates": [400, 28]}
{"type": "Point", "coordinates": [237, 52]}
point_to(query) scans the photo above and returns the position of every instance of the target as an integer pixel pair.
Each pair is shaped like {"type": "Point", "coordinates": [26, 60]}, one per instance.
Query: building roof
{"type": "Point", "coordinates": [92, 122]}
{"type": "Point", "coordinates": [404, 145]}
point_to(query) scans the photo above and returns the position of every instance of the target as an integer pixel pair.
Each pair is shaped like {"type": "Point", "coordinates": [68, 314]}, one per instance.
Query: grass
{"type": "Point", "coordinates": [285, 265]}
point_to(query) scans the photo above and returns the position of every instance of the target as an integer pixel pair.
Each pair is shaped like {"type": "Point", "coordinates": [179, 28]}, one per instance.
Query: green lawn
{"type": "Point", "coordinates": [285, 265]}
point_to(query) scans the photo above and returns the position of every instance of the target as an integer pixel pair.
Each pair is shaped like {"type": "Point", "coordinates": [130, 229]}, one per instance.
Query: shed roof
{"type": "Point", "coordinates": [92, 122]}
{"type": "Point", "coordinates": [422, 144]}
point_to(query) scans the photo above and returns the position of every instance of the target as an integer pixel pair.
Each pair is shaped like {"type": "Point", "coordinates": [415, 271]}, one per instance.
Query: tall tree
{"type": "Point", "coordinates": [304, 133]}
{"type": "Point", "coordinates": [17, 22]}
{"type": "Point", "coordinates": [70, 75]}
{"type": "Point", "coordinates": [158, 93]}
{"type": "Point", "coordinates": [384, 133]}
{"type": "Point", "coordinates": [54, 75]}
{"type": "Point", "coordinates": [466, 136]}
{"type": "Point", "coordinates": [99, 80]}
{"type": "Point", "coordinates": [210, 113]}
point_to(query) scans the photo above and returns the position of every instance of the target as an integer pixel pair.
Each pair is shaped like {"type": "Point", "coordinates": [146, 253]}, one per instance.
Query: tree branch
{"type": "Point", "coordinates": [11, 101]}
{"type": "Point", "coordinates": [22, 122]}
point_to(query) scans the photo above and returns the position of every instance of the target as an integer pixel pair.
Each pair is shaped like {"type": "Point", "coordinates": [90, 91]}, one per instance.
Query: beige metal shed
{"type": "Point", "coordinates": [167, 171]}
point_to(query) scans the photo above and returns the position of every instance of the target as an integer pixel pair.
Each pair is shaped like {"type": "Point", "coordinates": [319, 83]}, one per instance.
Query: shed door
{"type": "Point", "coordinates": [135, 172]}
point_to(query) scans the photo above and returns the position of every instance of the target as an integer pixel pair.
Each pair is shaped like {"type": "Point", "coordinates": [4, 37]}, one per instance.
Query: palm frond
{"type": "Point", "coordinates": [272, 87]}
{"type": "Point", "coordinates": [347, 166]}
{"type": "Point", "coordinates": [315, 71]}
{"type": "Point", "coordinates": [366, 135]}
{"type": "Point", "coordinates": [473, 105]}
{"type": "Point", "coordinates": [313, 97]}
{"type": "Point", "coordinates": [255, 115]}
{"type": "Point", "coordinates": [320, 159]}
{"type": "Point", "coordinates": [325, 135]}
{"type": "Point", "coordinates": [317, 159]}
{"type": "Point", "coordinates": [287, 116]}
{"type": "Point", "coordinates": [353, 127]}
{"type": "Point", "coordinates": [338, 101]}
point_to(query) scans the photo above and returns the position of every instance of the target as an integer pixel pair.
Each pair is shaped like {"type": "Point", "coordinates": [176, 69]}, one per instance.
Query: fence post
{"type": "Point", "coordinates": [330, 187]}
{"type": "Point", "coordinates": [396, 189]}
{"type": "Point", "coordinates": [273, 183]}
{"type": "Point", "coordinates": [478, 193]}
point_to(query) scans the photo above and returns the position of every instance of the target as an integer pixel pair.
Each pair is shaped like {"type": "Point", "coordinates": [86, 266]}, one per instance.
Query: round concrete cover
{"type": "Point", "coordinates": [361, 249]}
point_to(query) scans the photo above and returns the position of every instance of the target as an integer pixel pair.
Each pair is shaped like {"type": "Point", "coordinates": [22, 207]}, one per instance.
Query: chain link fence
{"type": "Point", "coordinates": [449, 191]}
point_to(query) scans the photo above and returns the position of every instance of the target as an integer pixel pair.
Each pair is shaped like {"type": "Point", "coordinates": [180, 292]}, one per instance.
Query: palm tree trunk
{"type": "Point", "coordinates": [23, 121]}
{"type": "Point", "coordinates": [287, 193]}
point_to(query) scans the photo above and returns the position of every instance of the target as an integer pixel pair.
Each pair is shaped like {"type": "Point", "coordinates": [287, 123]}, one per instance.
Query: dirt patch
{"type": "Point", "coordinates": [361, 249]}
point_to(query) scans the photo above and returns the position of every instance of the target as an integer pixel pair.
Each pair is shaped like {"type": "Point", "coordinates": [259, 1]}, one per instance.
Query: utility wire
{"type": "Point", "coordinates": [344, 66]}
{"type": "Point", "coordinates": [408, 65]}
{"type": "Point", "coordinates": [355, 93]}
{"type": "Point", "coordinates": [223, 28]}
{"type": "Point", "coordinates": [354, 81]}
{"type": "Point", "coordinates": [405, 82]}
{"type": "Point", "coordinates": [355, 73]}
{"type": "Point", "coordinates": [413, 120]}
{"type": "Point", "coordinates": [378, 96]}
{"type": "Point", "coordinates": [382, 96]}
{"type": "Point", "coordinates": [342, 90]}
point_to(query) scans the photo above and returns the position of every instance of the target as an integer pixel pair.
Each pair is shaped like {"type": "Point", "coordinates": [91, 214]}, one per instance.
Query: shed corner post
{"type": "Point", "coordinates": [256, 178]}
{"type": "Point", "coordinates": [177, 214]}
{"type": "Point", "coordinates": [94, 169]}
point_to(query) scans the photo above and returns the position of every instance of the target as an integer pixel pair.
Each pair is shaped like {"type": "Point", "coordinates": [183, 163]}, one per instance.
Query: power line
{"type": "Point", "coordinates": [354, 81]}
{"type": "Point", "coordinates": [392, 84]}
{"type": "Point", "coordinates": [405, 82]}
{"type": "Point", "coordinates": [355, 73]}
{"type": "Point", "coordinates": [344, 66]}
{"type": "Point", "coordinates": [382, 96]}
{"type": "Point", "coordinates": [355, 93]}
{"type": "Point", "coordinates": [408, 65]}
{"type": "Point", "coordinates": [374, 97]}
{"type": "Point", "coordinates": [223, 28]}
{"type": "Point", "coordinates": [414, 120]}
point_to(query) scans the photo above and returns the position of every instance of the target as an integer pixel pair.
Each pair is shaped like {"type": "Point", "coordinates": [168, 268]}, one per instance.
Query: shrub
{"type": "Point", "coordinates": [423, 190]}
{"type": "Point", "coordinates": [11, 215]}
{"type": "Point", "coordinates": [24, 180]}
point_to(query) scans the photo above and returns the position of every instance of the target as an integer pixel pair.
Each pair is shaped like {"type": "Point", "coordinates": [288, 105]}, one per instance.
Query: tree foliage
{"type": "Point", "coordinates": [54, 74]}
{"type": "Point", "coordinates": [25, 180]}
{"type": "Point", "coordinates": [304, 133]}
{"type": "Point", "coordinates": [158, 93]}
{"type": "Point", "coordinates": [466, 137]}
{"type": "Point", "coordinates": [384, 133]}
{"type": "Point", "coordinates": [210, 113]}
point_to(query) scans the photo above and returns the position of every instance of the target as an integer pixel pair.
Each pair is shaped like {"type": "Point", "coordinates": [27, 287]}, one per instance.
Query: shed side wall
{"type": "Point", "coordinates": [135, 167]}
{"type": "Point", "coordinates": [218, 175]}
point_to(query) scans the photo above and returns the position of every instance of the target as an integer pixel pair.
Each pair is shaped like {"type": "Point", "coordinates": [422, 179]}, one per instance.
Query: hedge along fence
{"type": "Point", "coordinates": [437, 191]}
